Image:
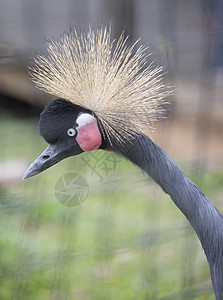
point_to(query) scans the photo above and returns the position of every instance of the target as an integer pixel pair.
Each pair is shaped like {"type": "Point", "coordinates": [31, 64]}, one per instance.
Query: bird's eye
{"type": "Point", "coordinates": [71, 132]}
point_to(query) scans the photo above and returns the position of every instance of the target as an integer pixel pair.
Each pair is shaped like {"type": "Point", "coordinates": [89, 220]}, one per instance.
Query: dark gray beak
{"type": "Point", "coordinates": [50, 156]}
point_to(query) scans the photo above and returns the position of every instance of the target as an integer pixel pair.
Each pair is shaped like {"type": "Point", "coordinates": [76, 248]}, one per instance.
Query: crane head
{"type": "Point", "coordinates": [69, 129]}
{"type": "Point", "coordinates": [111, 94]}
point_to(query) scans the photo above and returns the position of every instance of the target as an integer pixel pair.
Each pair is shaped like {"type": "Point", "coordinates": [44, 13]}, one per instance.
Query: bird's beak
{"type": "Point", "coordinates": [50, 156]}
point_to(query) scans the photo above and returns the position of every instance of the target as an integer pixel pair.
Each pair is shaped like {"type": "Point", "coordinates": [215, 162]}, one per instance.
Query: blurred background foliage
{"type": "Point", "coordinates": [127, 240]}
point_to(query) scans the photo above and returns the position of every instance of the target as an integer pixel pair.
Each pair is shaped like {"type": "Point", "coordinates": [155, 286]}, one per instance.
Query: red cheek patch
{"type": "Point", "coordinates": [89, 137]}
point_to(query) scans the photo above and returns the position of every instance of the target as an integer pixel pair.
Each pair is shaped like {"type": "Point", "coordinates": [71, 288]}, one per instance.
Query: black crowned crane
{"type": "Point", "coordinates": [107, 98]}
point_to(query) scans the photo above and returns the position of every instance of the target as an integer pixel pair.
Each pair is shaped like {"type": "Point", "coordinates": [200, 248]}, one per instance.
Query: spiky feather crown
{"type": "Point", "coordinates": [111, 79]}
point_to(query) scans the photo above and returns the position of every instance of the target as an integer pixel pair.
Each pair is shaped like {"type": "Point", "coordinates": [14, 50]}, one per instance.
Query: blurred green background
{"type": "Point", "coordinates": [127, 240]}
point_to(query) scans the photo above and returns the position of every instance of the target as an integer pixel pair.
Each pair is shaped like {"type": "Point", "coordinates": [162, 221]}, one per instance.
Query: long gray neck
{"type": "Point", "coordinates": [200, 212]}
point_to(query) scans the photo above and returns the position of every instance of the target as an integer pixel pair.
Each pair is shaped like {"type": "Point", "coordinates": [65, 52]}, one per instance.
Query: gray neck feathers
{"type": "Point", "coordinates": [206, 220]}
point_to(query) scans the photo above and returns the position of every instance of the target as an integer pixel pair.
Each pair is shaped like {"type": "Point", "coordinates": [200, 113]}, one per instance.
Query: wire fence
{"type": "Point", "coordinates": [126, 240]}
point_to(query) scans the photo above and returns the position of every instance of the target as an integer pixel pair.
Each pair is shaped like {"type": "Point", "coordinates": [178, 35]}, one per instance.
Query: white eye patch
{"type": "Point", "coordinates": [84, 119]}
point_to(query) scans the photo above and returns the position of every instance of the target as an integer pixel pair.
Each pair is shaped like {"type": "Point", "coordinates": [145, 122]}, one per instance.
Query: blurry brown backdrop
{"type": "Point", "coordinates": [186, 38]}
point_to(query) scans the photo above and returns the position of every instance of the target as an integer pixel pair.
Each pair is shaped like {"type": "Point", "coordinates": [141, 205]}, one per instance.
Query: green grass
{"type": "Point", "coordinates": [126, 241]}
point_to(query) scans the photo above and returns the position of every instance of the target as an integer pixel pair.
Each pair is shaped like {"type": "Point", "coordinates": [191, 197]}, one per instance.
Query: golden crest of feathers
{"type": "Point", "coordinates": [109, 78]}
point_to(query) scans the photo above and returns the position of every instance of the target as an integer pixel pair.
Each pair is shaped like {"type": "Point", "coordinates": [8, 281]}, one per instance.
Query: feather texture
{"type": "Point", "coordinates": [109, 78]}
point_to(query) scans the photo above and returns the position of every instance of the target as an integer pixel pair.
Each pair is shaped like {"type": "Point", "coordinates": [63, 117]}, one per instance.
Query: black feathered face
{"type": "Point", "coordinates": [56, 118]}
{"type": "Point", "coordinates": [69, 129]}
